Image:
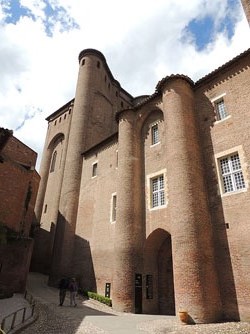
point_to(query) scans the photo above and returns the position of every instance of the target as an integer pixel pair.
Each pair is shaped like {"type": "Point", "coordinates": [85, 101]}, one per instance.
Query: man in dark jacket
{"type": "Point", "coordinates": [63, 286]}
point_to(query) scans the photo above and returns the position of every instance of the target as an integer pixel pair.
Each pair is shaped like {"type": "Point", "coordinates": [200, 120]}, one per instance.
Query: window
{"type": "Point", "coordinates": [53, 162]}
{"type": "Point", "coordinates": [157, 191]}
{"type": "Point", "coordinates": [155, 134]}
{"type": "Point", "coordinates": [231, 172]}
{"type": "Point", "coordinates": [220, 109]}
{"type": "Point", "coordinates": [45, 208]}
{"type": "Point", "coordinates": [94, 169]}
{"type": "Point", "coordinates": [113, 208]}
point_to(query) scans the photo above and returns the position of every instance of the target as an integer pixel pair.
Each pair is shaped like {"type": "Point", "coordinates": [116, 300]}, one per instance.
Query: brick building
{"type": "Point", "coordinates": [147, 199]}
{"type": "Point", "coordinates": [18, 189]}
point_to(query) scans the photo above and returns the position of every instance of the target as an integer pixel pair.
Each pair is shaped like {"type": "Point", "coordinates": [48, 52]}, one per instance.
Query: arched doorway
{"type": "Point", "coordinates": [158, 270]}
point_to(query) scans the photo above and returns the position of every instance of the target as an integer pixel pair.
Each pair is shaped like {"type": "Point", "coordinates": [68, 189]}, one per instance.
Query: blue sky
{"type": "Point", "coordinates": [41, 40]}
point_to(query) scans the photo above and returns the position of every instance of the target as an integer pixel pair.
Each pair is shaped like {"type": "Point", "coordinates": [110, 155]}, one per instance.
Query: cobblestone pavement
{"type": "Point", "coordinates": [91, 317]}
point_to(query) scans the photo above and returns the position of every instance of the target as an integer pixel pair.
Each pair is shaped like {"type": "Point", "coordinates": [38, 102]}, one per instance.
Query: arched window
{"type": "Point", "coordinates": [53, 162]}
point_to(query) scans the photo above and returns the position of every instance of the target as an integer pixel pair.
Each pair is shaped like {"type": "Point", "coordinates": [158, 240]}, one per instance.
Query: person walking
{"type": "Point", "coordinates": [63, 286]}
{"type": "Point", "coordinates": [73, 288]}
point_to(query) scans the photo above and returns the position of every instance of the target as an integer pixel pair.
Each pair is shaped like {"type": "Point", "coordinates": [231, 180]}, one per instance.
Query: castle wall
{"type": "Point", "coordinates": [230, 212]}
{"type": "Point", "coordinates": [191, 244]}
{"type": "Point", "coordinates": [94, 240]}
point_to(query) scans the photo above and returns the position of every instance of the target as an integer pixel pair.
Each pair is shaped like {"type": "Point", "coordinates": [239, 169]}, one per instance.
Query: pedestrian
{"type": "Point", "coordinates": [73, 288]}
{"type": "Point", "coordinates": [63, 286]}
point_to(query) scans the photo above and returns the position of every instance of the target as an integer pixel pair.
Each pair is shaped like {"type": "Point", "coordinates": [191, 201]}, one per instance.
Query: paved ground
{"type": "Point", "coordinates": [91, 317]}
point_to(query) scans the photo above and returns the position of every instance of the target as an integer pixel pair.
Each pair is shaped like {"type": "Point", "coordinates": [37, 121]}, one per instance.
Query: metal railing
{"type": "Point", "coordinates": [18, 317]}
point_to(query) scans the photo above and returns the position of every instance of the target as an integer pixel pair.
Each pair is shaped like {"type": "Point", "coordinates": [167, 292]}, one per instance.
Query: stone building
{"type": "Point", "coordinates": [146, 199]}
{"type": "Point", "coordinates": [19, 183]}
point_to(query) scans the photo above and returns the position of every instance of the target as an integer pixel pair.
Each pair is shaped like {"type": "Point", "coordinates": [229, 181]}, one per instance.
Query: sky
{"type": "Point", "coordinates": [142, 41]}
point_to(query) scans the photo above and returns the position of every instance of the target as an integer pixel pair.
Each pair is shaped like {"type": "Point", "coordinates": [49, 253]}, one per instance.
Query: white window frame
{"type": "Point", "coordinates": [231, 173]}
{"type": "Point", "coordinates": [94, 169]}
{"type": "Point", "coordinates": [216, 102]}
{"type": "Point", "coordinates": [155, 137]}
{"type": "Point", "coordinates": [113, 208]}
{"type": "Point", "coordinates": [149, 189]}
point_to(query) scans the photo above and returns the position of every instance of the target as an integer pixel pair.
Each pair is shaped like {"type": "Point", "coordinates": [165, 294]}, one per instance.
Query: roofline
{"type": "Point", "coordinates": [51, 117]}
{"type": "Point", "coordinates": [223, 67]}
{"type": "Point", "coordinates": [100, 144]}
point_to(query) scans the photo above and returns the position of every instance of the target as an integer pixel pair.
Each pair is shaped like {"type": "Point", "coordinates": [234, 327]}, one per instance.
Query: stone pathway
{"type": "Point", "coordinates": [91, 317]}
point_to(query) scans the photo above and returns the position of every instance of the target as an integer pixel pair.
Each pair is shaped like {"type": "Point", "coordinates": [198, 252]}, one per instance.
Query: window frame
{"type": "Point", "coordinates": [53, 162]}
{"type": "Point", "coordinates": [242, 170]}
{"type": "Point", "coordinates": [113, 208]}
{"type": "Point", "coordinates": [148, 189]}
{"type": "Point", "coordinates": [216, 102]}
{"type": "Point", "coordinates": [94, 169]}
{"type": "Point", "coordinates": [155, 137]}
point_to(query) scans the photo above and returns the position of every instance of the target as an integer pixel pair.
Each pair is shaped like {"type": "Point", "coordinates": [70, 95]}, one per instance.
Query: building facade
{"type": "Point", "coordinates": [19, 183]}
{"type": "Point", "coordinates": [147, 199]}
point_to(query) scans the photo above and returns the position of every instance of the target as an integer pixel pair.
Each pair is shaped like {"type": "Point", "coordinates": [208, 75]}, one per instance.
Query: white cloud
{"type": "Point", "coordinates": [142, 41]}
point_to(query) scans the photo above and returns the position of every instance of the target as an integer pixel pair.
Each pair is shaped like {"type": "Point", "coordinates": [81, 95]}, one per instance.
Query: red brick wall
{"type": "Point", "coordinates": [14, 263]}
{"type": "Point", "coordinates": [15, 181]}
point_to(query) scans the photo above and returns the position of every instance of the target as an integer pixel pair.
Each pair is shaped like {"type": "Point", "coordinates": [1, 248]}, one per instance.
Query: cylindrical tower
{"type": "Point", "coordinates": [195, 279]}
{"type": "Point", "coordinates": [246, 7]}
{"type": "Point", "coordinates": [89, 61]}
{"type": "Point", "coordinates": [125, 248]}
{"type": "Point", "coordinates": [44, 172]}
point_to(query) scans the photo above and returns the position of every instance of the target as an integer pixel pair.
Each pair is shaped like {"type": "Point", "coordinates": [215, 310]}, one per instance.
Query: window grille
{"type": "Point", "coordinates": [155, 134]}
{"type": "Point", "coordinates": [231, 172]}
{"type": "Point", "coordinates": [158, 193]}
{"type": "Point", "coordinates": [220, 110]}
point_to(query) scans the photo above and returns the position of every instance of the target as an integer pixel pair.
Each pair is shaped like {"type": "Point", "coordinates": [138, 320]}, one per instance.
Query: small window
{"type": "Point", "coordinates": [231, 172]}
{"type": "Point", "coordinates": [53, 162]}
{"type": "Point", "coordinates": [116, 158]}
{"type": "Point", "coordinates": [98, 64]}
{"type": "Point", "coordinates": [157, 191]}
{"type": "Point", "coordinates": [113, 208]}
{"type": "Point", "coordinates": [155, 134]}
{"type": "Point", "coordinates": [94, 169]}
{"type": "Point", "coordinates": [83, 62]}
{"type": "Point", "coordinates": [45, 208]}
{"type": "Point", "coordinates": [220, 109]}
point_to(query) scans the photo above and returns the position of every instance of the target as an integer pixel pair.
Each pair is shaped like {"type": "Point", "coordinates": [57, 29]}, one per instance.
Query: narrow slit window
{"type": "Point", "coordinates": [113, 208]}
{"type": "Point", "coordinates": [53, 162]}
{"type": "Point", "coordinates": [94, 169]}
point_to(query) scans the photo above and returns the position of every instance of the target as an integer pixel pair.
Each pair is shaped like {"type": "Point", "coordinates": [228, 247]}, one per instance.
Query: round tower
{"type": "Point", "coordinates": [246, 7]}
{"type": "Point", "coordinates": [88, 78]}
{"type": "Point", "coordinates": [195, 279]}
{"type": "Point", "coordinates": [127, 245]}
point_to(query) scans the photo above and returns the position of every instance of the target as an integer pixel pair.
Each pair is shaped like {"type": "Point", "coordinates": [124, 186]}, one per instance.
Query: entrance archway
{"type": "Point", "coordinates": [158, 266]}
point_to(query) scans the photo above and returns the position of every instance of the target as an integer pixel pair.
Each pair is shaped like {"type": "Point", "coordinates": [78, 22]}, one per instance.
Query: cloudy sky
{"type": "Point", "coordinates": [142, 40]}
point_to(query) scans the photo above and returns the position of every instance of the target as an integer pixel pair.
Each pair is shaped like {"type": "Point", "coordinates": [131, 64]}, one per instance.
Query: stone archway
{"type": "Point", "coordinates": [158, 266]}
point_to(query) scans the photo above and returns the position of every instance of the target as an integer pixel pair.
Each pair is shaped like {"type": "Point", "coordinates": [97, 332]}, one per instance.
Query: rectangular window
{"type": "Point", "coordinates": [94, 169]}
{"type": "Point", "coordinates": [155, 134]}
{"type": "Point", "coordinates": [113, 209]}
{"type": "Point", "coordinates": [157, 191]}
{"type": "Point", "coordinates": [231, 172]}
{"type": "Point", "coordinates": [220, 109]}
